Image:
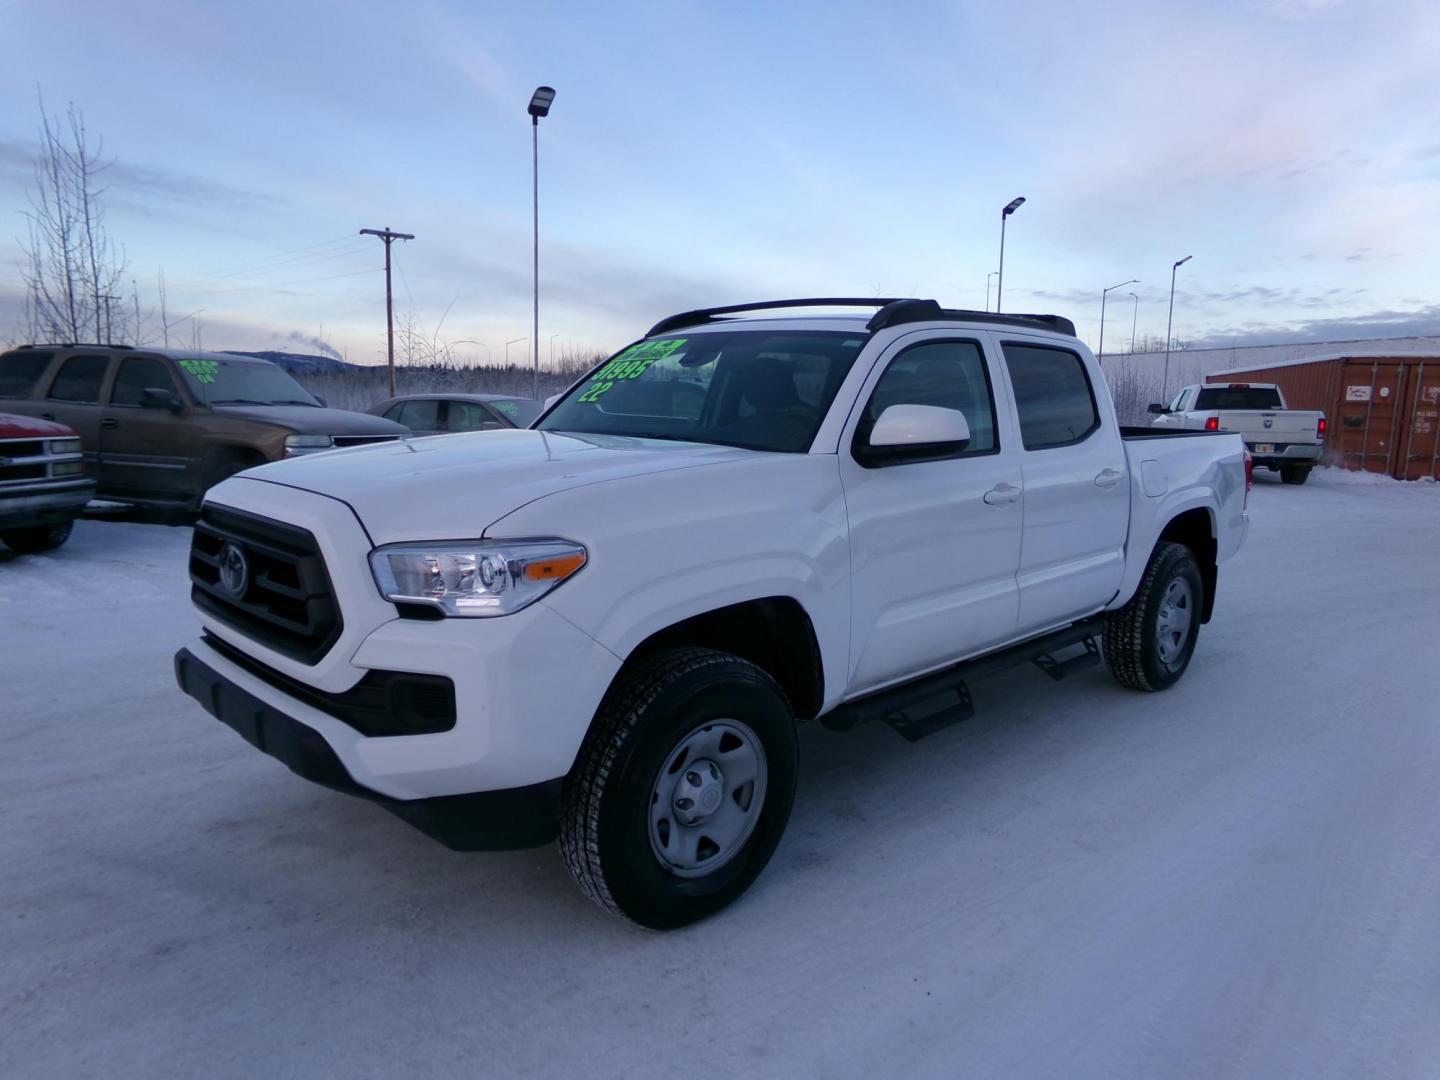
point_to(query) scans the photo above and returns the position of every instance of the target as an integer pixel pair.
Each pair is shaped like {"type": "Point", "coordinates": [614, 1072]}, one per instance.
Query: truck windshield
{"type": "Point", "coordinates": [1238, 397]}
{"type": "Point", "coordinates": [758, 389]}
{"type": "Point", "coordinates": [225, 381]}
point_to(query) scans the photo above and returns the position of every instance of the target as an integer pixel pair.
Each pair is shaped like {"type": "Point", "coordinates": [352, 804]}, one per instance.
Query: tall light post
{"type": "Point", "coordinates": [1010, 208]}
{"type": "Point", "coordinates": [988, 276]}
{"type": "Point", "coordinates": [1134, 319]}
{"type": "Point", "coordinates": [540, 102]}
{"type": "Point", "coordinates": [1165, 378]}
{"type": "Point", "coordinates": [1100, 357]}
{"type": "Point", "coordinates": [507, 351]}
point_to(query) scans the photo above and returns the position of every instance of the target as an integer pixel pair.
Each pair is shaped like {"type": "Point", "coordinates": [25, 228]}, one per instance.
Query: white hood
{"type": "Point", "coordinates": [450, 487]}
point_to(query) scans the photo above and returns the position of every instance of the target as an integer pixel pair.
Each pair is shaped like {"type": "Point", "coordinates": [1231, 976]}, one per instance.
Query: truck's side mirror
{"type": "Point", "coordinates": [914, 433]}
{"type": "Point", "coordinates": [1158, 409]}
{"type": "Point", "coordinates": [155, 397]}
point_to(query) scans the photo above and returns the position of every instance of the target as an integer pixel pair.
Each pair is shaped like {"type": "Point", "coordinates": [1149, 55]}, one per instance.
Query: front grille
{"type": "Point", "coordinates": [26, 460]}
{"type": "Point", "coordinates": [362, 440]}
{"type": "Point", "coordinates": [18, 448]}
{"type": "Point", "coordinates": [286, 602]}
{"type": "Point", "coordinates": [21, 472]}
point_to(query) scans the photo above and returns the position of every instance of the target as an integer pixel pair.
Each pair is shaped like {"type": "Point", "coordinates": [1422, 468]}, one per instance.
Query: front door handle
{"type": "Point", "coordinates": [1002, 495]}
{"type": "Point", "coordinates": [1108, 478]}
{"type": "Point", "coordinates": [108, 423]}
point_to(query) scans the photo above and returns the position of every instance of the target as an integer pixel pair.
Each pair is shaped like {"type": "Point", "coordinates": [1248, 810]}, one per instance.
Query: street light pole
{"type": "Point", "coordinates": [539, 106]}
{"type": "Point", "coordinates": [1010, 208]}
{"type": "Point", "coordinates": [987, 288]}
{"type": "Point", "coordinates": [1169, 322]}
{"type": "Point", "coordinates": [507, 349]}
{"type": "Point", "coordinates": [1100, 357]}
{"type": "Point", "coordinates": [1134, 318]}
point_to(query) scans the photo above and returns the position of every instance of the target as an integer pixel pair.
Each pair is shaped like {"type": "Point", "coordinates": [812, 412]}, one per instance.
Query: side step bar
{"type": "Point", "coordinates": [933, 702]}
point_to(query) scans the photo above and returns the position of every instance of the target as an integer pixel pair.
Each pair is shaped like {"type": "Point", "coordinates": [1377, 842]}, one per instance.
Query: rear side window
{"type": "Point", "coordinates": [136, 375]}
{"type": "Point", "coordinates": [947, 374]}
{"type": "Point", "coordinates": [19, 371]}
{"type": "Point", "coordinates": [467, 416]}
{"type": "Point", "coordinates": [1238, 397]}
{"type": "Point", "coordinates": [1053, 397]}
{"type": "Point", "coordinates": [421, 415]}
{"type": "Point", "coordinates": [79, 379]}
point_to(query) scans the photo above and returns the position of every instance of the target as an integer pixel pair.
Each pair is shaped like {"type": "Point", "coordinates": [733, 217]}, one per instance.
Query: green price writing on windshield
{"type": "Point", "coordinates": [630, 364]}
{"type": "Point", "coordinates": [202, 371]}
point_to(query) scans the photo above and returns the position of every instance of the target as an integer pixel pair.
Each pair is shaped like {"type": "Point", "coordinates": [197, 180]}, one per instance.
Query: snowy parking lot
{"type": "Point", "coordinates": [1238, 878]}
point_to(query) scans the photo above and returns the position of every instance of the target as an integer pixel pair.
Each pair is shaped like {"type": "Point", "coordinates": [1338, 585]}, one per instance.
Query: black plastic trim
{"type": "Point", "coordinates": [502, 820]}
{"type": "Point", "coordinates": [893, 312]}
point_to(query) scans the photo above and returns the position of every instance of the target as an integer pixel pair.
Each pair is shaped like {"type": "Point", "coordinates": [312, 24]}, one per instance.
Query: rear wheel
{"type": "Point", "coordinates": [682, 789]}
{"type": "Point", "coordinates": [1149, 641]}
{"type": "Point", "coordinates": [37, 538]}
{"type": "Point", "coordinates": [1294, 474]}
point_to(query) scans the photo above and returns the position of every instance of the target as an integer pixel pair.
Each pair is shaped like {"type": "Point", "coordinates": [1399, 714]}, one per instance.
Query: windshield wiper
{"type": "Point", "coordinates": [240, 401]}
{"type": "Point", "coordinates": [292, 401]}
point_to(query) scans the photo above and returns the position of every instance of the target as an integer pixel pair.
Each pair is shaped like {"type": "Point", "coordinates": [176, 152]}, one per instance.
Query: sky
{"type": "Point", "coordinates": [701, 154]}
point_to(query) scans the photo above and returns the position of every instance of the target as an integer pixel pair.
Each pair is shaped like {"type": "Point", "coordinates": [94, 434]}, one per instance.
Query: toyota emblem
{"type": "Point", "coordinates": [234, 570]}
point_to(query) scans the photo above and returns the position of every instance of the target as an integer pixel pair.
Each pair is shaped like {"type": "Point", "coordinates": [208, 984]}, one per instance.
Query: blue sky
{"type": "Point", "coordinates": [703, 153]}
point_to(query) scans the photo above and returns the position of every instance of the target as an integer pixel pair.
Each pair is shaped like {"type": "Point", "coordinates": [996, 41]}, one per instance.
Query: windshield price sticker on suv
{"type": "Point", "coordinates": [630, 364]}
{"type": "Point", "coordinates": [202, 371]}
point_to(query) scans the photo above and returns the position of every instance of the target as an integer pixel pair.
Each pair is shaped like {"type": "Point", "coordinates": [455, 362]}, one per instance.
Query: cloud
{"type": "Point", "coordinates": [1423, 322]}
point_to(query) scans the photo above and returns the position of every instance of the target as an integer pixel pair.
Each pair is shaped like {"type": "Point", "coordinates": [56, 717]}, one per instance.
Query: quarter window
{"type": "Point", "coordinates": [948, 374]}
{"type": "Point", "coordinates": [136, 375]}
{"type": "Point", "coordinates": [421, 415]}
{"type": "Point", "coordinates": [20, 371]}
{"type": "Point", "coordinates": [79, 379]}
{"type": "Point", "coordinates": [468, 416]}
{"type": "Point", "coordinates": [1052, 395]}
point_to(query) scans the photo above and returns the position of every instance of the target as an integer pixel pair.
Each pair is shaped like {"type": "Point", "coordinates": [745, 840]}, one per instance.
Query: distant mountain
{"type": "Point", "coordinates": [300, 363]}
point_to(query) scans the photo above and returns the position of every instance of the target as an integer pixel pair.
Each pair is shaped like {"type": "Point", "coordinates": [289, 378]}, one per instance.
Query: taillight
{"type": "Point", "coordinates": [1249, 479]}
{"type": "Point", "coordinates": [1212, 423]}
{"type": "Point", "coordinates": [1320, 428]}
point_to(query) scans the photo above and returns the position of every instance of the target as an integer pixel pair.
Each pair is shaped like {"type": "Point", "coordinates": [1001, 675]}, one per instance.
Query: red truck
{"type": "Point", "coordinates": [43, 486]}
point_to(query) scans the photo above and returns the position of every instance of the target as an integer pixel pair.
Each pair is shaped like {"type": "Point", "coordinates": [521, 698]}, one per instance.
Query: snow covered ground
{"type": "Point", "coordinates": [1239, 878]}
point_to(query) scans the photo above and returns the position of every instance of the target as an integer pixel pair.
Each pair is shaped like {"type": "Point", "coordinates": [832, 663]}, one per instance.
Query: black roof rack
{"type": "Point", "coordinates": [74, 345]}
{"type": "Point", "coordinates": [892, 313]}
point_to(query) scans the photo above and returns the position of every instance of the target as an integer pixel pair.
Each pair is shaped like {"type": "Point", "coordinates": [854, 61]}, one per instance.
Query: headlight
{"type": "Point", "coordinates": [67, 468]}
{"type": "Point", "coordinates": [64, 446]}
{"type": "Point", "coordinates": [307, 444]}
{"type": "Point", "coordinates": [475, 578]}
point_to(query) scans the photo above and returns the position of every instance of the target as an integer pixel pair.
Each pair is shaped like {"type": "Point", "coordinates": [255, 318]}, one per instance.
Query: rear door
{"type": "Point", "coordinates": [147, 452]}
{"type": "Point", "coordinates": [73, 398]}
{"type": "Point", "coordinates": [934, 544]}
{"type": "Point", "coordinates": [1077, 491]}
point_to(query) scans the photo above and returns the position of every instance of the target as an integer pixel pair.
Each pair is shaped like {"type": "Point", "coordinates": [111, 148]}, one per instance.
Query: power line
{"type": "Point", "coordinates": [245, 266]}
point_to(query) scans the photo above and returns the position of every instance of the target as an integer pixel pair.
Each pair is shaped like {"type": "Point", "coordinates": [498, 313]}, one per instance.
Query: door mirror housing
{"type": "Point", "coordinates": [915, 433]}
{"type": "Point", "coordinates": [157, 398]}
{"type": "Point", "coordinates": [1158, 409]}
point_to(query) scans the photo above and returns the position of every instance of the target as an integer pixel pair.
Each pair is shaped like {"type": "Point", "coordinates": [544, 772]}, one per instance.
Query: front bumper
{"type": "Point", "coordinates": [20, 509]}
{"type": "Point", "coordinates": [481, 821]}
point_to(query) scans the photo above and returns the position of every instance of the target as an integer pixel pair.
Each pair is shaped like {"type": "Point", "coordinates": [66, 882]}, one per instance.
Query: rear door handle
{"type": "Point", "coordinates": [1002, 495]}
{"type": "Point", "coordinates": [109, 423]}
{"type": "Point", "coordinates": [1108, 478]}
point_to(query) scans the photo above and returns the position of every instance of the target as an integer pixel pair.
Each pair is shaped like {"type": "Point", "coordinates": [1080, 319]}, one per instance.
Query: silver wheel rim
{"type": "Point", "coordinates": [707, 798]}
{"type": "Point", "coordinates": [1172, 626]}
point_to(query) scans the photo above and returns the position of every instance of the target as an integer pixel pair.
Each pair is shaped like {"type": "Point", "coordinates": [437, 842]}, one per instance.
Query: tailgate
{"type": "Point", "coordinates": [1282, 426]}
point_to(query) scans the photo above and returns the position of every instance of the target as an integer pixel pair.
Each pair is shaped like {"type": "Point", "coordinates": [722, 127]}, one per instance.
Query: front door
{"type": "Point", "coordinates": [1077, 490]}
{"type": "Point", "coordinates": [146, 452]}
{"type": "Point", "coordinates": [934, 544]}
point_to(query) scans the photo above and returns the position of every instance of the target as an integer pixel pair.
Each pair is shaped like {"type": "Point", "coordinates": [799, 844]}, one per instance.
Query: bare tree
{"type": "Point", "coordinates": [70, 265]}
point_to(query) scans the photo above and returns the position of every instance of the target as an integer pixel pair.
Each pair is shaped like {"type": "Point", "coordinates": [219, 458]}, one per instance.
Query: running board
{"type": "Point", "coordinates": [934, 702]}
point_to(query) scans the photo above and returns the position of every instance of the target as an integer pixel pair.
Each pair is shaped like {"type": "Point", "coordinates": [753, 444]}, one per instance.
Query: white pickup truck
{"type": "Point", "coordinates": [606, 628]}
{"type": "Point", "coordinates": [1291, 441]}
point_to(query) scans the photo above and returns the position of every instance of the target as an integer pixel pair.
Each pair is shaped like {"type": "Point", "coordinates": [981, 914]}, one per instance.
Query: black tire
{"type": "Point", "coordinates": [1132, 635]}
{"type": "Point", "coordinates": [37, 538]}
{"type": "Point", "coordinates": [1294, 474]}
{"type": "Point", "coordinates": [648, 715]}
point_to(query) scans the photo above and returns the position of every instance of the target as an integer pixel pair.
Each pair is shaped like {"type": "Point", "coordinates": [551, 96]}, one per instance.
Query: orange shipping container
{"type": "Point", "coordinates": [1383, 412]}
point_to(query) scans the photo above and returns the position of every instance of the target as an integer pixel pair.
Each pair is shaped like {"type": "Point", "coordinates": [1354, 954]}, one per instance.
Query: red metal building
{"type": "Point", "coordinates": [1383, 411]}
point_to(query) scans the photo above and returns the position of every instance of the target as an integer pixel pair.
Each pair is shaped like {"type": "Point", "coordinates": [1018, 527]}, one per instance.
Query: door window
{"type": "Point", "coordinates": [136, 375]}
{"type": "Point", "coordinates": [1053, 397]}
{"type": "Point", "coordinates": [79, 379]}
{"type": "Point", "coordinates": [19, 372]}
{"type": "Point", "coordinates": [948, 374]}
{"type": "Point", "coordinates": [468, 416]}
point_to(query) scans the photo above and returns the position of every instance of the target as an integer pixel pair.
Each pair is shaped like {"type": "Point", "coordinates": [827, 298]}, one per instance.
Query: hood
{"type": "Point", "coordinates": [448, 487]}
{"type": "Point", "coordinates": [30, 427]}
{"type": "Point", "coordinates": [307, 420]}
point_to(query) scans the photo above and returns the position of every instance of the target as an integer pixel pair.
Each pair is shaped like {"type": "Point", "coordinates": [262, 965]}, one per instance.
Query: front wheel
{"type": "Point", "coordinates": [682, 789]}
{"type": "Point", "coordinates": [1149, 641]}
{"type": "Point", "coordinates": [37, 538]}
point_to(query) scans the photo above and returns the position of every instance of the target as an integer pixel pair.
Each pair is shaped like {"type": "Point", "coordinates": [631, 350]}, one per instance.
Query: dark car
{"type": "Point", "coordinates": [437, 414]}
{"type": "Point", "coordinates": [161, 426]}
{"type": "Point", "coordinates": [43, 486]}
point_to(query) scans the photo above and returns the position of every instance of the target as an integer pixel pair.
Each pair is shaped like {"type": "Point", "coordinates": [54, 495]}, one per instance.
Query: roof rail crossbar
{"type": "Point", "coordinates": [893, 312]}
{"type": "Point", "coordinates": [705, 315]}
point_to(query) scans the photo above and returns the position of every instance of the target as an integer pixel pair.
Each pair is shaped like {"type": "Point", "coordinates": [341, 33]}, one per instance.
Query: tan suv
{"type": "Point", "coordinates": [160, 427]}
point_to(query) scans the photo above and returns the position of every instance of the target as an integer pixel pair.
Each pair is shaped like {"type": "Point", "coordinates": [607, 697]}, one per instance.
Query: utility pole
{"type": "Point", "coordinates": [389, 237]}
